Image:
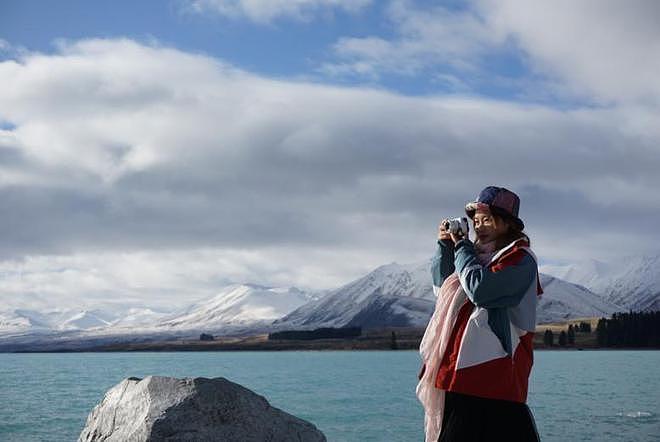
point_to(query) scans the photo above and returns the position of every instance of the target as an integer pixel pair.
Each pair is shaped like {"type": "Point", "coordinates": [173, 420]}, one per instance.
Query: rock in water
{"type": "Point", "coordinates": [159, 408]}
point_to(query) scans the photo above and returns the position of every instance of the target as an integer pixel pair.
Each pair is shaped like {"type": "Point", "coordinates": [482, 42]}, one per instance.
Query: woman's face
{"type": "Point", "coordinates": [487, 227]}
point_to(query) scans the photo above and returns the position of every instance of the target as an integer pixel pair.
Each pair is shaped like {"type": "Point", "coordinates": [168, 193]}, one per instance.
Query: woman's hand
{"type": "Point", "coordinates": [445, 234]}
{"type": "Point", "coordinates": [442, 232]}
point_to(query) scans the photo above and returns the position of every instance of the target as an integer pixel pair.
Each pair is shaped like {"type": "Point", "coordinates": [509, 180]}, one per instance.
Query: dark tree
{"type": "Point", "coordinates": [393, 344]}
{"type": "Point", "coordinates": [630, 329]}
{"type": "Point", "coordinates": [562, 338]}
{"type": "Point", "coordinates": [318, 333]}
{"type": "Point", "coordinates": [548, 337]}
{"type": "Point", "coordinates": [601, 332]}
{"type": "Point", "coordinates": [205, 337]}
{"type": "Point", "coordinates": [571, 335]}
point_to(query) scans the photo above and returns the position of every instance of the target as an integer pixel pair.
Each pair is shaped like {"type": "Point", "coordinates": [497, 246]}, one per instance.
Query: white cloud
{"type": "Point", "coordinates": [607, 50]}
{"type": "Point", "coordinates": [266, 11]}
{"type": "Point", "coordinates": [146, 168]}
{"type": "Point", "coordinates": [425, 38]}
{"type": "Point", "coordinates": [603, 52]}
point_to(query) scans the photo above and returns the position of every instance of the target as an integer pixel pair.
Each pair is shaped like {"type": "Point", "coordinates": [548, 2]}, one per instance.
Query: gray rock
{"type": "Point", "coordinates": [159, 408]}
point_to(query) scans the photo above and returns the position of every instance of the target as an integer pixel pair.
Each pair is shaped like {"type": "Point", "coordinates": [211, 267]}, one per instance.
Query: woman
{"type": "Point", "coordinates": [477, 348]}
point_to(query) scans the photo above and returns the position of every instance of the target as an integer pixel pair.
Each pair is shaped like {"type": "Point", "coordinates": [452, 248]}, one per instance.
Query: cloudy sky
{"type": "Point", "coordinates": [151, 152]}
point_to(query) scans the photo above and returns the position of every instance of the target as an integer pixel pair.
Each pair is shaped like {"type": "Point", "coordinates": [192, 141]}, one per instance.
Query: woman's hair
{"type": "Point", "coordinates": [514, 232]}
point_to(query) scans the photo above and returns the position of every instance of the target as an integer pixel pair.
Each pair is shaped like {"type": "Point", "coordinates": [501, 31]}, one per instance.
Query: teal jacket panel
{"type": "Point", "coordinates": [442, 264]}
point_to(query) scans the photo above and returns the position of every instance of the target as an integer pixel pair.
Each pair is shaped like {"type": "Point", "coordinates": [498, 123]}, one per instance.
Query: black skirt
{"type": "Point", "coordinates": [470, 418]}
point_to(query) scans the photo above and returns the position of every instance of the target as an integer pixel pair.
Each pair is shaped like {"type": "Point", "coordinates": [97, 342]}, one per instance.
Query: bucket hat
{"type": "Point", "coordinates": [499, 201]}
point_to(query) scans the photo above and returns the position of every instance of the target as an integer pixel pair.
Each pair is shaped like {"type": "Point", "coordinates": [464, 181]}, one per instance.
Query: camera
{"type": "Point", "coordinates": [457, 226]}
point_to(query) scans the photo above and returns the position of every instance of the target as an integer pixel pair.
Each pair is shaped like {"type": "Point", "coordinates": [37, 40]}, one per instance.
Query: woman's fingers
{"type": "Point", "coordinates": [443, 233]}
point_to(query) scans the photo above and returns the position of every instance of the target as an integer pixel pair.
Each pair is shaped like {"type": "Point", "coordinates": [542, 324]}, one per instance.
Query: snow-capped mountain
{"type": "Point", "coordinates": [637, 285]}
{"type": "Point", "coordinates": [563, 300]}
{"type": "Point", "coordinates": [20, 320]}
{"type": "Point", "coordinates": [402, 295]}
{"type": "Point", "coordinates": [233, 305]}
{"type": "Point", "coordinates": [11, 322]}
{"type": "Point", "coordinates": [392, 294]}
{"type": "Point", "coordinates": [632, 284]}
{"type": "Point", "coordinates": [137, 317]}
{"type": "Point", "coordinates": [591, 273]}
{"type": "Point", "coordinates": [239, 304]}
{"type": "Point", "coordinates": [84, 320]}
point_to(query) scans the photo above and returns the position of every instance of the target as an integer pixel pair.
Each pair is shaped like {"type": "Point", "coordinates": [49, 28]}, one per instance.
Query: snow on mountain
{"type": "Point", "coordinates": [637, 285]}
{"type": "Point", "coordinates": [54, 320]}
{"type": "Point", "coordinates": [236, 305]}
{"type": "Point", "coordinates": [12, 322]}
{"type": "Point", "coordinates": [632, 284]}
{"type": "Point", "coordinates": [38, 319]}
{"type": "Point", "coordinates": [82, 321]}
{"type": "Point", "coordinates": [25, 320]}
{"type": "Point", "coordinates": [135, 317]}
{"type": "Point", "coordinates": [239, 304]}
{"type": "Point", "coordinates": [392, 294]}
{"type": "Point", "coordinates": [590, 273]}
{"type": "Point", "coordinates": [563, 300]}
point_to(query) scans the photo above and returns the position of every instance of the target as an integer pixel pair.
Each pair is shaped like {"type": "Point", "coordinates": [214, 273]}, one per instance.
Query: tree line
{"type": "Point", "coordinates": [566, 337]}
{"type": "Point", "coordinates": [319, 333]}
{"type": "Point", "coordinates": [632, 329]}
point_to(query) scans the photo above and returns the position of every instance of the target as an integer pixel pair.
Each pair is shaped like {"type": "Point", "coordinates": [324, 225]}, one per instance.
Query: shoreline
{"type": "Point", "coordinates": [371, 341]}
{"type": "Point", "coordinates": [148, 350]}
{"type": "Point", "coordinates": [383, 339]}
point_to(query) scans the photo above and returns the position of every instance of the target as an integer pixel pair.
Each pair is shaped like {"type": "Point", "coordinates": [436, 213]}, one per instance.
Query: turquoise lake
{"type": "Point", "coordinates": [349, 395]}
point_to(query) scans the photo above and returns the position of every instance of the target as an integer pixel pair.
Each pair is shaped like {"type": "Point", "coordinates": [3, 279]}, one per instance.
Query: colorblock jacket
{"type": "Point", "coordinates": [490, 351]}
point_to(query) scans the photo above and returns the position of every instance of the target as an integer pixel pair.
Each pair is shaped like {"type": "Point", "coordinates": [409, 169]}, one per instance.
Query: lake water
{"type": "Point", "coordinates": [349, 395]}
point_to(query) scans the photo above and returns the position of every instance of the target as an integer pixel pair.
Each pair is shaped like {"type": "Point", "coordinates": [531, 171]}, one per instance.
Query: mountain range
{"type": "Point", "coordinates": [238, 304]}
{"type": "Point", "coordinates": [633, 284]}
{"type": "Point", "coordinates": [402, 295]}
{"type": "Point", "coordinates": [390, 295]}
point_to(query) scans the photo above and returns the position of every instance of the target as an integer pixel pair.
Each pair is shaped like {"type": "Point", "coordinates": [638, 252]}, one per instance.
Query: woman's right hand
{"type": "Point", "coordinates": [442, 233]}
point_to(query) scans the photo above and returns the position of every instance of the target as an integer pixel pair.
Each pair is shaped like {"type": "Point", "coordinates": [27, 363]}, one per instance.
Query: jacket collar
{"type": "Point", "coordinates": [520, 242]}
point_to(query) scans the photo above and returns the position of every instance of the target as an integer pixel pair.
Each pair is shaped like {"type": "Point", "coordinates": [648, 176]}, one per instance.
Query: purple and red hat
{"type": "Point", "coordinates": [499, 201]}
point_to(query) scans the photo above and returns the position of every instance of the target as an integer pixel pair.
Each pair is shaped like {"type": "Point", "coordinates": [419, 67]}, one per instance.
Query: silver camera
{"type": "Point", "coordinates": [457, 226]}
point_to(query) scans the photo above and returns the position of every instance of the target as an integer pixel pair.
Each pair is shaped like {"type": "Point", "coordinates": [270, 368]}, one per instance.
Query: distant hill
{"type": "Point", "coordinates": [390, 295]}
{"type": "Point", "coordinates": [563, 300]}
{"type": "Point", "coordinates": [236, 307]}
{"type": "Point", "coordinates": [632, 284]}
{"type": "Point", "coordinates": [238, 304]}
